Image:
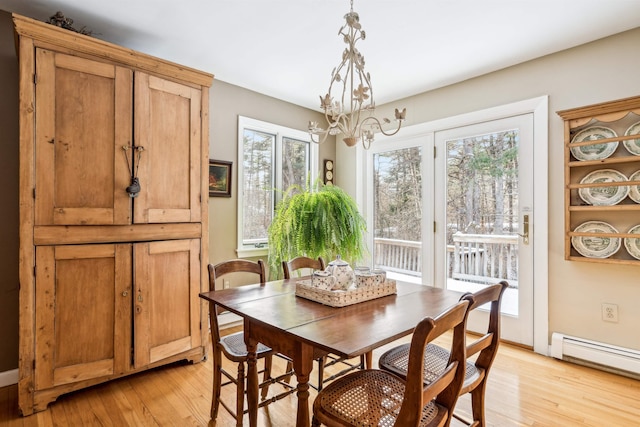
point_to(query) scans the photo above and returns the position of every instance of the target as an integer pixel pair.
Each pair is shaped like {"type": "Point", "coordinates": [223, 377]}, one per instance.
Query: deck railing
{"type": "Point", "coordinates": [476, 257]}
{"type": "Point", "coordinates": [400, 256]}
{"type": "Point", "coordinates": [471, 257]}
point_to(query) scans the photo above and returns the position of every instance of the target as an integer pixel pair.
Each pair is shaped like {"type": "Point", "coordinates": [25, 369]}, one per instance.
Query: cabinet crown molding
{"type": "Point", "coordinates": [96, 48]}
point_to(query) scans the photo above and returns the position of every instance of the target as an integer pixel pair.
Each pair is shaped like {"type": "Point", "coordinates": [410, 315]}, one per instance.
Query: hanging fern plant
{"type": "Point", "coordinates": [321, 220]}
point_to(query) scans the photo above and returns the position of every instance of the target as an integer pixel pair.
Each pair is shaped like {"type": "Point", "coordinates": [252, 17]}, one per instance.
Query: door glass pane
{"type": "Point", "coordinates": [482, 211]}
{"type": "Point", "coordinates": [257, 191]}
{"type": "Point", "coordinates": [397, 201]}
{"type": "Point", "coordinates": [295, 162]}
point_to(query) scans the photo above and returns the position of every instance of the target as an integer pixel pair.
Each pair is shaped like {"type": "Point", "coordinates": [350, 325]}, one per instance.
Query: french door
{"type": "Point", "coordinates": [459, 219]}
{"type": "Point", "coordinates": [484, 216]}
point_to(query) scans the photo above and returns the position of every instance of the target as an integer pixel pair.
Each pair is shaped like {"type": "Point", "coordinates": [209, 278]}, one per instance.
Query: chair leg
{"type": "Point", "coordinates": [477, 403]}
{"type": "Point", "coordinates": [267, 376]}
{"type": "Point", "coordinates": [289, 368]}
{"type": "Point", "coordinates": [217, 381]}
{"type": "Point", "coordinates": [315, 422]}
{"type": "Point", "coordinates": [240, 395]}
{"type": "Point", "coordinates": [321, 362]}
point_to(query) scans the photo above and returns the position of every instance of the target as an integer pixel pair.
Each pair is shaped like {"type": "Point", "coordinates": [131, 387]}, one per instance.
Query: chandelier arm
{"type": "Point", "coordinates": [394, 132]}
{"type": "Point", "coordinates": [379, 125]}
{"type": "Point", "coordinates": [340, 121]}
{"type": "Point", "coordinates": [320, 140]}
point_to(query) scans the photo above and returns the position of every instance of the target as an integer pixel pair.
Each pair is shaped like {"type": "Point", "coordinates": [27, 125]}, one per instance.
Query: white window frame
{"type": "Point", "coordinates": [248, 251]}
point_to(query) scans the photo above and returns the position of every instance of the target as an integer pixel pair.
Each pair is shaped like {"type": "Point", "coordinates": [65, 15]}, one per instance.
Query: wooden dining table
{"type": "Point", "coordinates": [304, 330]}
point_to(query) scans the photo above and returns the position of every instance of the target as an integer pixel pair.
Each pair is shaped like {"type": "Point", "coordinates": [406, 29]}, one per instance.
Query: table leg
{"type": "Point", "coordinates": [302, 365]}
{"type": "Point", "coordinates": [252, 380]}
{"type": "Point", "coordinates": [368, 360]}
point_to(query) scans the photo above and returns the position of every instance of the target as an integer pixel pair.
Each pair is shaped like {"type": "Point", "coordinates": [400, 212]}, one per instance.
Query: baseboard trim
{"type": "Point", "coordinates": [8, 378]}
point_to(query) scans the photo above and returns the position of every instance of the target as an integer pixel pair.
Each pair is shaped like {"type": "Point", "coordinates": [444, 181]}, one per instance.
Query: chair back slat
{"type": "Point", "coordinates": [240, 266]}
{"type": "Point", "coordinates": [436, 387]}
{"type": "Point", "coordinates": [290, 267]}
{"type": "Point", "coordinates": [479, 344]}
{"type": "Point", "coordinates": [487, 345]}
{"type": "Point", "coordinates": [227, 267]}
{"type": "Point", "coordinates": [446, 386]}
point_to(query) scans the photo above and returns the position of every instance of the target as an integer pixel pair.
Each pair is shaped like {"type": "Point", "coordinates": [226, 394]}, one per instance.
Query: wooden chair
{"type": "Point", "coordinates": [374, 397]}
{"type": "Point", "coordinates": [293, 266]}
{"type": "Point", "coordinates": [233, 348]}
{"type": "Point", "coordinates": [486, 348]}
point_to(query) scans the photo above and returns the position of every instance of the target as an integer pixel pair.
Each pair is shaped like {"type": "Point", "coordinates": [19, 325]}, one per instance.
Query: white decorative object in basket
{"type": "Point", "coordinates": [323, 280]}
{"type": "Point", "coordinates": [342, 298]}
{"type": "Point", "coordinates": [342, 271]}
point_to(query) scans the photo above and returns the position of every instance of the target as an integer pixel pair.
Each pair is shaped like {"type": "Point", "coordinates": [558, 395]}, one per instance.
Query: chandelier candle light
{"type": "Point", "coordinates": [350, 78]}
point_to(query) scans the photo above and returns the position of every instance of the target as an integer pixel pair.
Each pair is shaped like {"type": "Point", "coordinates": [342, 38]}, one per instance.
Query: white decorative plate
{"type": "Point", "coordinates": [634, 190]}
{"type": "Point", "coordinates": [633, 145]}
{"type": "Point", "coordinates": [633, 245]}
{"type": "Point", "coordinates": [594, 246]}
{"type": "Point", "coordinates": [604, 196]}
{"type": "Point", "coordinates": [594, 151]}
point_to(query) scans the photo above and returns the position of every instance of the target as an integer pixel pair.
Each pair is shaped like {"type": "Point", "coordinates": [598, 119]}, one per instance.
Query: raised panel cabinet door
{"type": "Point", "coordinates": [168, 127]}
{"type": "Point", "coordinates": [83, 121]}
{"type": "Point", "coordinates": [166, 303]}
{"type": "Point", "coordinates": [83, 313]}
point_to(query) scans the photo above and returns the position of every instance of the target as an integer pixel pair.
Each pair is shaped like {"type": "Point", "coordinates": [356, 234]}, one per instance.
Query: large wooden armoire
{"type": "Point", "coordinates": [113, 212]}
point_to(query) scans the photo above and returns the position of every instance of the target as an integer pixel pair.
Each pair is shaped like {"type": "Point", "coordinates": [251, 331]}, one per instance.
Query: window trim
{"type": "Point", "coordinates": [247, 251]}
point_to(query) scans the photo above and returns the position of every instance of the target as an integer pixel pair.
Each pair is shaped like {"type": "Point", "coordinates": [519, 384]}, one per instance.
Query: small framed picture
{"type": "Point", "coordinates": [220, 178]}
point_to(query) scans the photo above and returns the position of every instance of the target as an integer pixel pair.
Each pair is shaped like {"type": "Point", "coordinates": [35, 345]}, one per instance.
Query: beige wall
{"type": "Point", "coordinates": [8, 197]}
{"type": "Point", "coordinates": [601, 71]}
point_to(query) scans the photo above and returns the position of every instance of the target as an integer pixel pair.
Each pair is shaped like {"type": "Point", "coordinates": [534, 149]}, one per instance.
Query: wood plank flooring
{"type": "Point", "coordinates": [525, 389]}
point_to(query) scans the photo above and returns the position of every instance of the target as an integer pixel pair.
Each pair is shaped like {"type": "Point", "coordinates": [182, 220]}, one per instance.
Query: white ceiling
{"type": "Point", "coordinates": [287, 48]}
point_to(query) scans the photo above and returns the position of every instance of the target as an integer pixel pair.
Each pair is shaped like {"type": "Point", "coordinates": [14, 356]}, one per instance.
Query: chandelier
{"type": "Point", "coordinates": [352, 115]}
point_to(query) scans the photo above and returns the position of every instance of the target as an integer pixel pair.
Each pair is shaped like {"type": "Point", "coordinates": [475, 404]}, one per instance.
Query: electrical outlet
{"type": "Point", "coordinates": [225, 284]}
{"type": "Point", "coordinates": [609, 312]}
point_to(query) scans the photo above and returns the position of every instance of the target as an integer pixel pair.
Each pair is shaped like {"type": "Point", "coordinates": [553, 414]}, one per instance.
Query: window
{"type": "Point", "coordinates": [271, 158]}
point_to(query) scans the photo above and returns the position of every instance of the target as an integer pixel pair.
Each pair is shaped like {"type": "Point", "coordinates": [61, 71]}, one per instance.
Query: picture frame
{"type": "Point", "coordinates": [220, 178]}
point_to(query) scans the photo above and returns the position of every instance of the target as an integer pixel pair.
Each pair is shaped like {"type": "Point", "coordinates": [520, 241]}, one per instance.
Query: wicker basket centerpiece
{"type": "Point", "coordinates": [344, 297]}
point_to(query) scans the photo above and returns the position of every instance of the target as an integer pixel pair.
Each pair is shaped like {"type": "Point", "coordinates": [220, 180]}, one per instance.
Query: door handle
{"type": "Point", "coordinates": [525, 229]}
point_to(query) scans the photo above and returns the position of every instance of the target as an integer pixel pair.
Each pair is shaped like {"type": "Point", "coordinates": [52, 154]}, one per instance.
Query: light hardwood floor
{"type": "Point", "coordinates": [525, 389]}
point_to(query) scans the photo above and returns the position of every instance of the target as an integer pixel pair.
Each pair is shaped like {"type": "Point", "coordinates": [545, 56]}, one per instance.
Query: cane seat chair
{"type": "Point", "coordinates": [306, 264]}
{"type": "Point", "coordinates": [482, 349]}
{"type": "Point", "coordinates": [373, 397]}
{"type": "Point", "coordinates": [233, 348]}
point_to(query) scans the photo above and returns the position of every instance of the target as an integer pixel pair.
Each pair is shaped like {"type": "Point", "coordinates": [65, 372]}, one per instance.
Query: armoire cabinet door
{"type": "Point", "coordinates": [84, 119]}
{"type": "Point", "coordinates": [166, 303]}
{"type": "Point", "coordinates": [83, 313]}
{"type": "Point", "coordinates": [168, 127]}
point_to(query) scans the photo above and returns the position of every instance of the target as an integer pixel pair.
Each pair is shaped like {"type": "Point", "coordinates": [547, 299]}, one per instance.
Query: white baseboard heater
{"type": "Point", "coordinates": [608, 357]}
